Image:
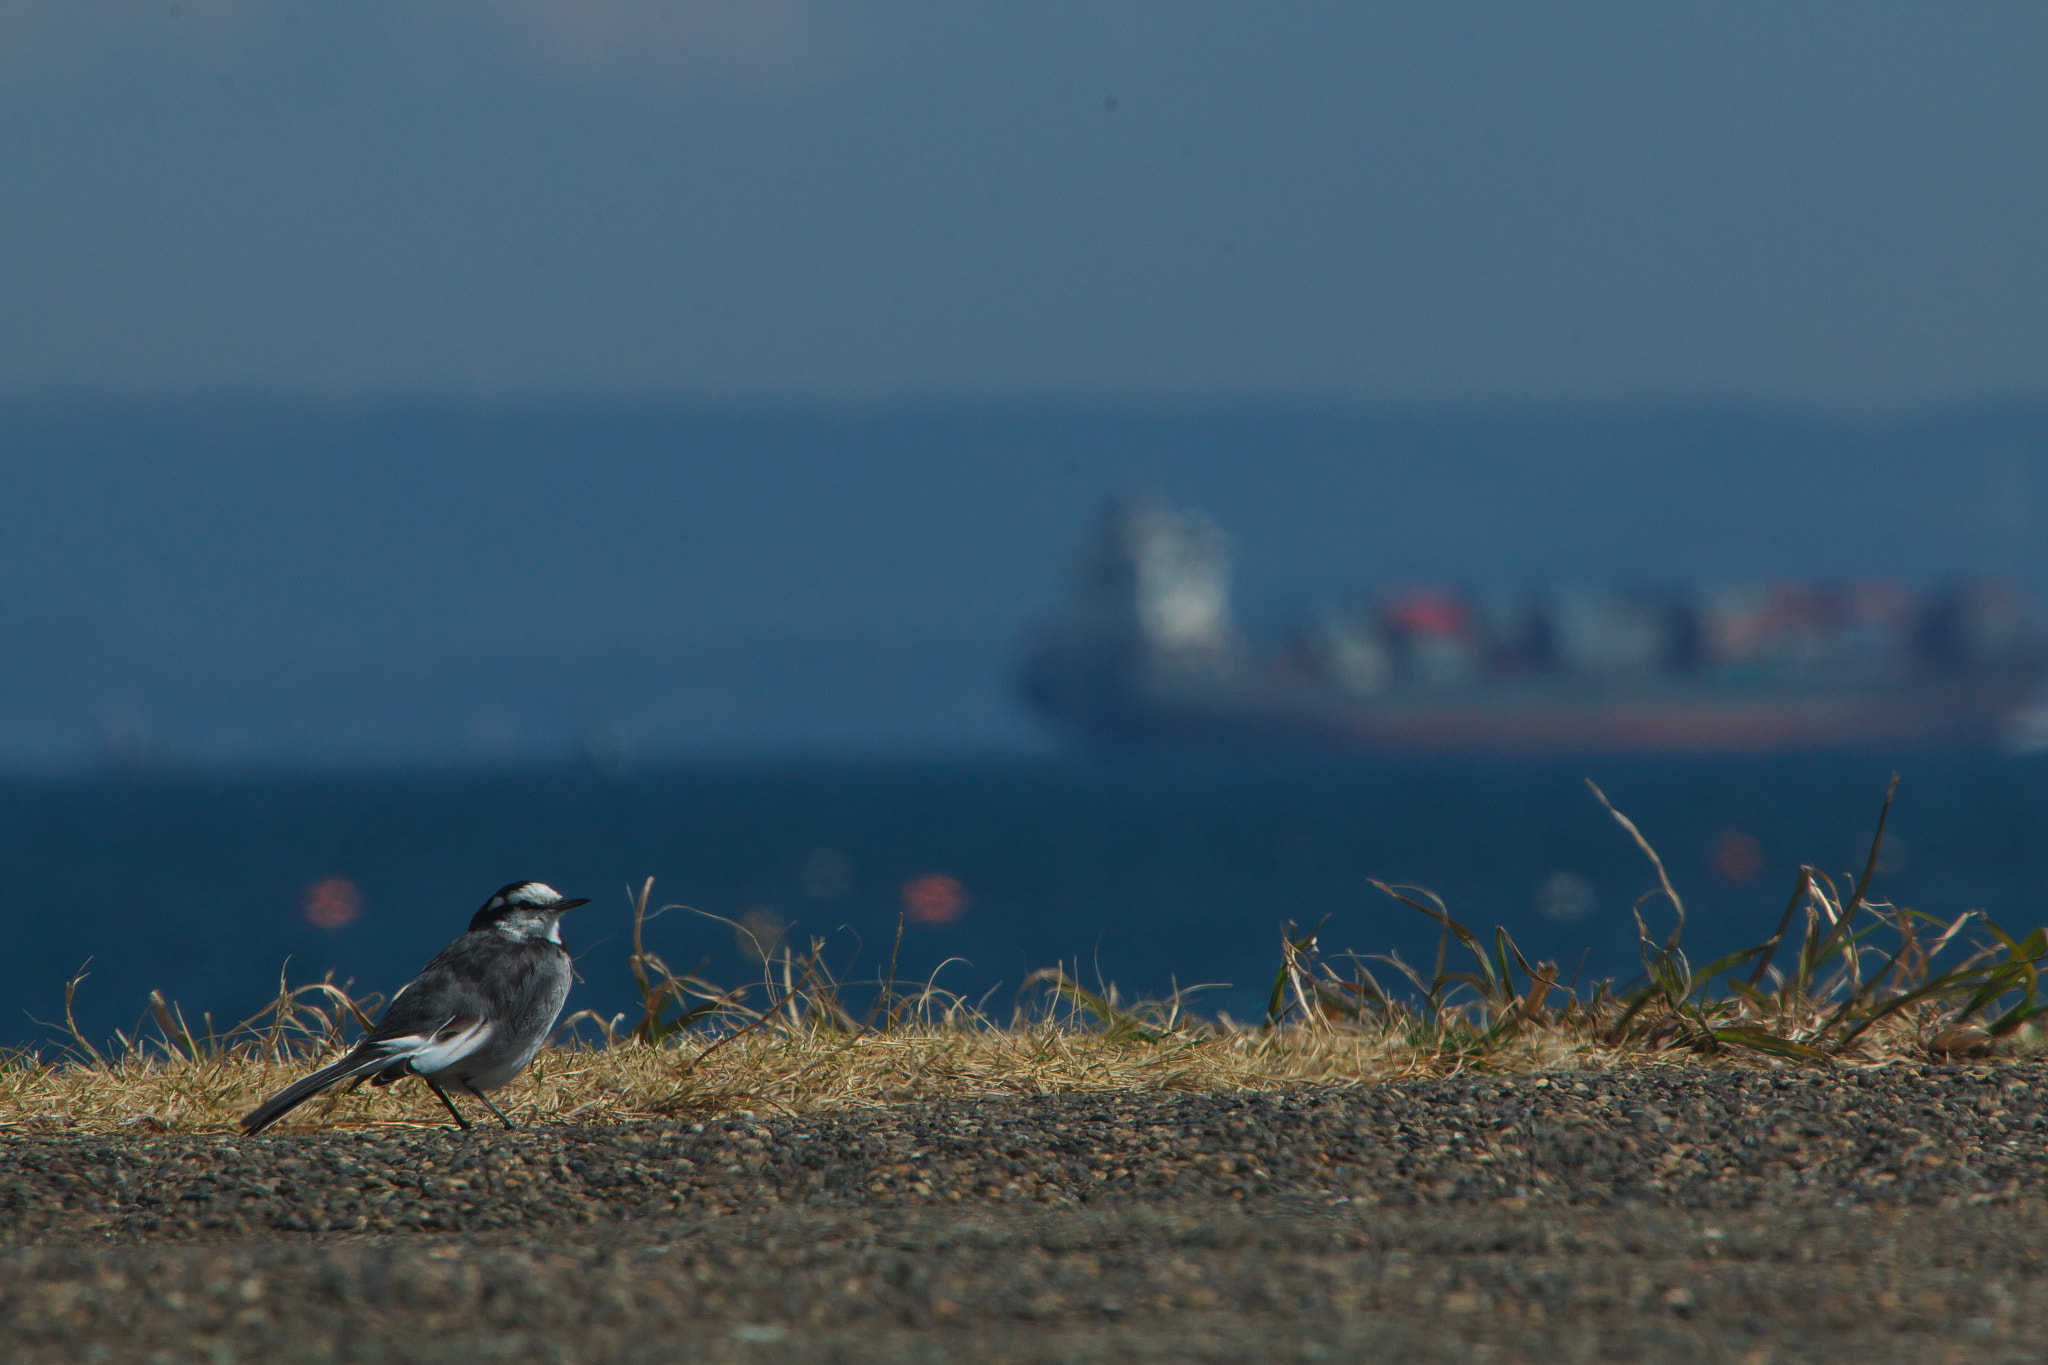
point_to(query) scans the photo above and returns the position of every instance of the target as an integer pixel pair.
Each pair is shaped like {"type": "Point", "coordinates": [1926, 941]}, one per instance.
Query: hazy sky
{"type": "Point", "coordinates": [1835, 204]}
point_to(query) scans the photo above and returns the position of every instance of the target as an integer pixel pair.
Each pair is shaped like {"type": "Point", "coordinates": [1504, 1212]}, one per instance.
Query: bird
{"type": "Point", "coordinates": [471, 1020]}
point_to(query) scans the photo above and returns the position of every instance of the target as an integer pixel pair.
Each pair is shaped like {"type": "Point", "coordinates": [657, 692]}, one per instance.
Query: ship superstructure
{"type": "Point", "coordinates": [1148, 653]}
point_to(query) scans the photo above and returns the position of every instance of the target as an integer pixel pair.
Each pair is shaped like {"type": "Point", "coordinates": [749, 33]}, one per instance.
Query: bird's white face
{"type": "Point", "coordinates": [526, 911]}
{"type": "Point", "coordinates": [526, 925]}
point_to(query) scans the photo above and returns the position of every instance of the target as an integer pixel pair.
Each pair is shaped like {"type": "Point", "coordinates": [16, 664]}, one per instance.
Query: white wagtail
{"type": "Point", "coordinates": [475, 1016]}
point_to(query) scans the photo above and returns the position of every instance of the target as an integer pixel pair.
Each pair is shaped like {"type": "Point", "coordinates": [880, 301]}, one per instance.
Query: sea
{"type": "Point", "coordinates": [1152, 875]}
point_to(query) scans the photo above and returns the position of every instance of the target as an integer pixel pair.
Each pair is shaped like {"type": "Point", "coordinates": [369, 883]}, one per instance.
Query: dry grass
{"type": "Point", "coordinates": [1843, 981]}
{"type": "Point", "coordinates": [781, 1072]}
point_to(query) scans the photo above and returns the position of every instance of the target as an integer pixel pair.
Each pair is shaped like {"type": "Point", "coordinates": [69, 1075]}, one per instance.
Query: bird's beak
{"type": "Point", "coordinates": [559, 906]}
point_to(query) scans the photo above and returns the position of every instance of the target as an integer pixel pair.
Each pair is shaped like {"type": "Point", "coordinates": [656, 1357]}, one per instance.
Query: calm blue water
{"type": "Point", "coordinates": [1145, 873]}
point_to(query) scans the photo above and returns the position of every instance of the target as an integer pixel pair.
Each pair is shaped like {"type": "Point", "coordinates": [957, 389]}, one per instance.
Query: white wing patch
{"type": "Point", "coordinates": [442, 1049]}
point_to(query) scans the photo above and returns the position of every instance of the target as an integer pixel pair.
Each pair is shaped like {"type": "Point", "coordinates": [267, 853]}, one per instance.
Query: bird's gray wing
{"type": "Point", "coordinates": [442, 1015]}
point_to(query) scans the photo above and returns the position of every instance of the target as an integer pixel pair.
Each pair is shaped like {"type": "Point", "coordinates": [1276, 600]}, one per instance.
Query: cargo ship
{"type": "Point", "coordinates": [1147, 655]}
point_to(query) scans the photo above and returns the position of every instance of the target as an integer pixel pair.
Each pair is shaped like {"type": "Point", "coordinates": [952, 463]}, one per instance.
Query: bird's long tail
{"type": "Point", "coordinates": [363, 1059]}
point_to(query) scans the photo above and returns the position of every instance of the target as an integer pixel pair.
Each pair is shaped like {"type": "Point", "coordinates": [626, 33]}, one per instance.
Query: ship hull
{"type": "Point", "coordinates": [1704, 719]}
{"type": "Point", "coordinates": [1148, 655]}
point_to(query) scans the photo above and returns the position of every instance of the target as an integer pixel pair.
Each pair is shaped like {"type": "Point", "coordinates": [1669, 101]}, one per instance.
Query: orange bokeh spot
{"type": "Point", "coordinates": [934, 899]}
{"type": "Point", "coordinates": [1738, 857]}
{"type": "Point", "coordinates": [333, 903]}
{"type": "Point", "coordinates": [1430, 611]}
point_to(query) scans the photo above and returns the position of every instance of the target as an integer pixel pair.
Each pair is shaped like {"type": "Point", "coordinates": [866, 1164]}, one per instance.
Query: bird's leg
{"type": "Point", "coordinates": [488, 1105]}
{"type": "Point", "coordinates": [442, 1095]}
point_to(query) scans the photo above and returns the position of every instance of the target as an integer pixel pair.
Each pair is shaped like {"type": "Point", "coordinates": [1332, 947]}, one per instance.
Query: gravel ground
{"type": "Point", "coordinates": [1665, 1214]}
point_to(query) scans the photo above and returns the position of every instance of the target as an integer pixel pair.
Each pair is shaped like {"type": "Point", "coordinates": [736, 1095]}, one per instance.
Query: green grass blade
{"type": "Point", "coordinates": [1869, 864]}
{"type": "Point", "coordinates": [1770, 947]}
{"type": "Point", "coordinates": [1442, 916]}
